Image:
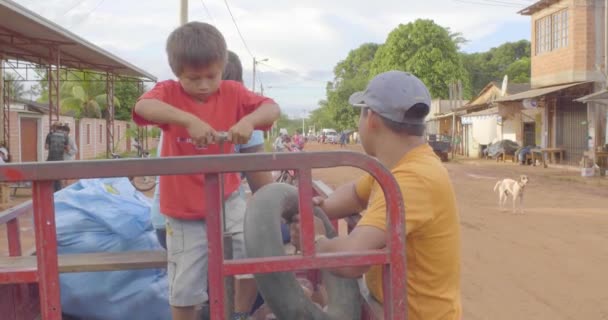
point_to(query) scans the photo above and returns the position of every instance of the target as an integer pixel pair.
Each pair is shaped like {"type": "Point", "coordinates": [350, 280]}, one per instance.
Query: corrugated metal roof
{"type": "Point", "coordinates": [537, 92]}
{"type": "Point", "coordinates": [37, 34]}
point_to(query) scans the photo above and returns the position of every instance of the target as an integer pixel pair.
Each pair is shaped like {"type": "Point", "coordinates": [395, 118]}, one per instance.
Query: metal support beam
{"type": "Point", "coordinates": [2, 117]}
{"type": "Point", "coordinates": [6, 114]}
{"type": "Point", "coordinates": [110, 114]}
{"type": "Point", "coordinates": [54, 85]}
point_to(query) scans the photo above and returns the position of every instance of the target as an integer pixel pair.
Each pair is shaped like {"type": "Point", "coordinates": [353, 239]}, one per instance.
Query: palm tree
{"type": "Point", "coordinates": [15, 87]}
{"type": "Point", "coordinates": [84, 95]}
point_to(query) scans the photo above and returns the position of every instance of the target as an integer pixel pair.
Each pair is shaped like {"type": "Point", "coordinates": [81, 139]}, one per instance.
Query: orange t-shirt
{"type": "Point", "coordinates": [182, 196]}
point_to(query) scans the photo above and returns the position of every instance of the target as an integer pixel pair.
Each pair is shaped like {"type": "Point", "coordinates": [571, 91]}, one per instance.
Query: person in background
{"type": "Point", "coordinates": [56, 143]}
{"type": "Point", "coordinates": [70, 152]}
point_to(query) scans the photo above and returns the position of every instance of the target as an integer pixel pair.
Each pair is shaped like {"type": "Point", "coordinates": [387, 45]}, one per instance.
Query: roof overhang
{"type": "Point", "coordinates": [25, 35]}
{"type": "Point", "coordinates": [535, 93]}
{"type": "Point", "coordinates": [600, 96]}
{"type": "Point", "coordinates": [534, 8]}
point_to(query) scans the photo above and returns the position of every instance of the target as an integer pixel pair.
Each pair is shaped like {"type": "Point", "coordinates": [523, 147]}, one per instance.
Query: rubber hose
{"type": "Point", "coordinates": [280, 290]}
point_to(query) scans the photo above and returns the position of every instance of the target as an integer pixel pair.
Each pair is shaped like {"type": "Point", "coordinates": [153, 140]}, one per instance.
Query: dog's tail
{"type": "Point", "coordinates": [496, 186]}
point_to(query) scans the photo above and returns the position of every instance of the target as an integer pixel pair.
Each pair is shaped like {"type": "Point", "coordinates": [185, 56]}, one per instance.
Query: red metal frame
{"type": "Point", "coordinates": [393, 259]}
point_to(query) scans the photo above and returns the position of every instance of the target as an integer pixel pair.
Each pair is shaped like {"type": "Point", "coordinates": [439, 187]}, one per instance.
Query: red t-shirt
{"type": "Point", "coordinates": [182, 196]}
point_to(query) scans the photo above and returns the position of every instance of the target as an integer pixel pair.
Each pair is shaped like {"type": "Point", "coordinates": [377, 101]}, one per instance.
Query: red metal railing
{"type": "Point", "coordinates": [393, 259]}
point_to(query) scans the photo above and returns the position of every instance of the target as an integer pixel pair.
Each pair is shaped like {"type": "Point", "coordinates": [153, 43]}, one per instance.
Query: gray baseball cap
{"type": "Point", "coordinates": [392, 94]}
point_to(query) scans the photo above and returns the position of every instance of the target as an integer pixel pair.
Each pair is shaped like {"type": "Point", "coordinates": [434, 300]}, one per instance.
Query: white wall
{"type": "Point", "coordinates": [509, 130]}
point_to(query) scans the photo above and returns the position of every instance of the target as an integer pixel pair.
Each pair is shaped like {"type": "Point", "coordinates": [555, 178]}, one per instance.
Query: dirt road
{"type": "Point", "coordinates": [549, 263]}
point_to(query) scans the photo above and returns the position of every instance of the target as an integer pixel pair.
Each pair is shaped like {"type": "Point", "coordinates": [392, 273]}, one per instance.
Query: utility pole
{"type": "Point", "coordinates": [453, 107]}
{"type": "Point", "coordinates": [459, 101]}
{"type": "Point", "coordinates": [183, 12]}
{"type": "Point", "coordinates": [255, 62]}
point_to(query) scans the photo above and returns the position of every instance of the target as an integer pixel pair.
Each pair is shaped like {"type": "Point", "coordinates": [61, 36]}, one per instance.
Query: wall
{"type": "Point", "coordinates": [577, 61]}
{"type": "Point", "coordinates": [94, 147]}
{"type": "Point", "coordinates": [510, 130]}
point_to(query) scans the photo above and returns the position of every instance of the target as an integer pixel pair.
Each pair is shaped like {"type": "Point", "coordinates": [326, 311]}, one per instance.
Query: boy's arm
{"type": "Point", "coordinates": [159, 112]}
{"type": "Point", "coordinates": [263, 117]}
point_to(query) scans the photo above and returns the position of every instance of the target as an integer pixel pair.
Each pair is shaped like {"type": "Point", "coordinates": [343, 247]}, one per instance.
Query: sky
{"type": "Point", "coordinates": [302, 40]}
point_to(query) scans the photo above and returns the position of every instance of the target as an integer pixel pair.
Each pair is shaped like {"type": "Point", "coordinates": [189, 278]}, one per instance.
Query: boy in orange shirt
{"type": "Point", "coordinates": [190, 112]}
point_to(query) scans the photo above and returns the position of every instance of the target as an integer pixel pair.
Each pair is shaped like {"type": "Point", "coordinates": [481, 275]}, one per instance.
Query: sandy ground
{"type": "Point", "coordinates": [548, 263]}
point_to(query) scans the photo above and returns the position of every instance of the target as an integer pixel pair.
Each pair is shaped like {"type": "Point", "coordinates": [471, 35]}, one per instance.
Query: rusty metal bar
{"type": "Point", "coordinates": [6, 108]}
{"type": "Point", "coordinates": [16, 211]}
{"type": "Point", "coordinates": [14, 240]}
{"type": "Point", "coordinates": [46, 250]}
{"type": "Point", "coordinates": [307, 225]}
{"type": "Point", "coordinates": [215, 246]}
{"type": "Point", "coordinates": [39, 171]}
{"type": "Point", "coordinates": [110, 115]}
{"type": "Point", "coordinates": [21, 275]}
{"type": "Point", "coordinates": [297, 263]}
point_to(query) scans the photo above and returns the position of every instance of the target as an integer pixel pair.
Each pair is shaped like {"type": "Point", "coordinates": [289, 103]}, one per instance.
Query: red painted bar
{"type": "Point", "coordinates": [215, 245]}
{"type": "Point", "coordinates": [14, 240]}
{"type": "Point", "coordinates": [46, 249]}
{"type": "Point", "coordinates": [307, 226]}
{"type": "Point", "coordinates": [294, 263]}
{"type": "Point", "coordinates": [15, 212]}
{"type": "Point", "coordinates": [25, 275]}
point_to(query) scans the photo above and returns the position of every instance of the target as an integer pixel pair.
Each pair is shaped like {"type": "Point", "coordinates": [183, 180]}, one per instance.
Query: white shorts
{"type": "Point", "coordinates": [187, 253]}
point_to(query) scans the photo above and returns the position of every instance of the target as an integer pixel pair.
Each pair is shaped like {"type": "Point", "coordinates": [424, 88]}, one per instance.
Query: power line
{"type": "Point", "coordinates": [208, 12]}
{"type": "Point", "coordinates": [290, 74]}
{"type": "Point", "coordinates": [237, 29]}
{"type": "Point", "coordinates": [78, 3]}
{"type": "Point", "coordinates": [95, 8]}
{"type": "Point", "coordinates": [489, 4]}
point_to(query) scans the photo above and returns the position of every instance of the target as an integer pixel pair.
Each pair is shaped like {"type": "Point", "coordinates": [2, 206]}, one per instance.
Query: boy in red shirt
{"type": "Point", "coordinates": [190, 112]}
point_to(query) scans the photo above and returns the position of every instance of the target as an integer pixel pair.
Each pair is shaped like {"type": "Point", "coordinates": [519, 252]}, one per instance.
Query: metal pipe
{"type": "Point", "coordinates": [183, 12]}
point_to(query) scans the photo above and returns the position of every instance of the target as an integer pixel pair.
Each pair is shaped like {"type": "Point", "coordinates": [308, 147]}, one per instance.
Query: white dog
{"type": "Point", "coordinates": [513, 188]}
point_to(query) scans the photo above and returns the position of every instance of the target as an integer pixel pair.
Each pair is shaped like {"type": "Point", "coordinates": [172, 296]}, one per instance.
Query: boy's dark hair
{"type": "Point", "coordinates": [234, 68]}
{"type": "Point", "coordinates": [195, 44]}
{"type": "Point", "coordinates": [416, 111]}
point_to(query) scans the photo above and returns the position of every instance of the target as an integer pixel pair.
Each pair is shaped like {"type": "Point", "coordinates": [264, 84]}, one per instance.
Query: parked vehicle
{"type": "Point", "coordinates": [441, 146]}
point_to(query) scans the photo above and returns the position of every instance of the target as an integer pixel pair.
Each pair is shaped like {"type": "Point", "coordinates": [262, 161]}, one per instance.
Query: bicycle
{"type": "Point", "coordinates": [143, 183]}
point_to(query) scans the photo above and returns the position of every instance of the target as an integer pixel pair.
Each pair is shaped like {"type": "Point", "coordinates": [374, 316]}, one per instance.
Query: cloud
{"type": "Point", "coordinates": [302, 40]}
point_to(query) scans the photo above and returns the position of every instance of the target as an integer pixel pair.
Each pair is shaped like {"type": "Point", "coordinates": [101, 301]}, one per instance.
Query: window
{"type": "Point", "coordinates": [551, 32]}
{"type": "Point", "coordinates": [100, 133]}
{"type": "Point", "coordinates": [88, 134]}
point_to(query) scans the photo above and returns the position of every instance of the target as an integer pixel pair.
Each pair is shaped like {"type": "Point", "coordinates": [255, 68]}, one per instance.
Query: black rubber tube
{"type": "Point", "coordinates": [281, 291]}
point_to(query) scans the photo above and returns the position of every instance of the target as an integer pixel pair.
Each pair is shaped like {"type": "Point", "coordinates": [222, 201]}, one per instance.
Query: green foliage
{"type": "Point", "coordinates": [84, 94]}
{"type": "Point", "coordinates": [15, 88]}
{"type": "Point", "coordinates": [350, 75]}
{"type": "Point", "coordinates": [427, 50]}
{"type": "Point", "coordinates": [511, 58]}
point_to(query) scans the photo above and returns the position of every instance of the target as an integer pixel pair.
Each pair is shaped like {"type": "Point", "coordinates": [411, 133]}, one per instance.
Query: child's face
{"type": "Point", "coordinates": [202, 82]}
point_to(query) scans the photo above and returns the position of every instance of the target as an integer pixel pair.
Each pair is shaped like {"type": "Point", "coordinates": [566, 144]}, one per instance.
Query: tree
{"type": "Point", "coordinates": [511, 58]}
{"type": "Point", "coordinates": [15, 88]}
{"type": "Point", "coordinates": [322, 117]}
{"type": "Point", "coordinates": [427, 50]}
{"type": "Point", "coordinates": [127, 92]}
{"type": "Point", "coordinates": [350, 75]}
{"type": "Point", "coordinates": [84, 94]}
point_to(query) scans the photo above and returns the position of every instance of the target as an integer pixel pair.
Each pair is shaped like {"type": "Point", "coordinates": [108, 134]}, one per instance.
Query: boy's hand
{"type": "Point", "coordinates": [294, 230]}
{"type": "Point", "coordinates": [241, 132]}
{"type": "Point", "coordinates": [201, 133]}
